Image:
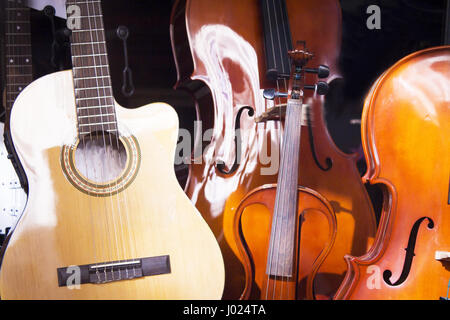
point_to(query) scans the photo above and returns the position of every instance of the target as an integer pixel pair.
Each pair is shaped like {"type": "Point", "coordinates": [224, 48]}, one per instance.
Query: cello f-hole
{"type": "Point", "coordinates": [409, 254]}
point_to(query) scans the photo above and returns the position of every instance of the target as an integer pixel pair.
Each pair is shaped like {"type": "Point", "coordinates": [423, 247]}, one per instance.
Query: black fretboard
{"type": "Point", "coordinates": [277, 38]}
{"type": "Point", "coordinates": [19, 72]}
{"type": "Point", "coordinates": [92, 81]}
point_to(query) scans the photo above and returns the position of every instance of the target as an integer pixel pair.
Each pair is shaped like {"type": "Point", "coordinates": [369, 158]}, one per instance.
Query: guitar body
{"type": "Point", "coordinates": [64, 226]}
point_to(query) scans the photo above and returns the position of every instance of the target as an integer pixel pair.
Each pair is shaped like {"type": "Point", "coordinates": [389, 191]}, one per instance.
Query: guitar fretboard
{"type": "Point", "coordinates": [18, 62]}
{"type": "Point", "coordinates": [92, 81]}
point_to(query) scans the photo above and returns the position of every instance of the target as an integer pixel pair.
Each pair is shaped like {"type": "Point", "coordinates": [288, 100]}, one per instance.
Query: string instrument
{"type": "Point", "coordinates": [226, 58]}
{"type": "Point", "coordinates": [405, 130]}
{"type": "Point", "coordinates": [12, 196]}
{"type": "Point", "coordinates": [283, 253]}
{"type": "Point", "coordinates": [105, 217]}
{"type": "Point", "coordinates": [18, 74]}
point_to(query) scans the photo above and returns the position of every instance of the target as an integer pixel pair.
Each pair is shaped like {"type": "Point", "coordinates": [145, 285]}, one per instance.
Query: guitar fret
{"type": "Point", "coordinates": [89, 55]}
{"type": "Point", "coordinates": [94, 88]}
{"type": "Point", "coordinates": [88, 43]}
{"type": "Point", "coordinates": [86, 108]}
{"type": "Point", "coordinates": [18, 66]}
{"type": "Point", "coordinates": [90, 98]}
{"type": "Point", "coordinates": [93, 116]}
{"type": "Point", "coordinates": [87, 78]}
{"type": "Point", "coordinates": [87, 30]}
{"type": "Point", "coordinates": [19, 45]}
{"type": "Point", "coordinates": [101, 66]}
{"type": "Point", "coordinates": [95, 124]}
{"type": "Point", "coordinates": [88, 132]}
{"type": "Point", "coordinates": [83, 2]}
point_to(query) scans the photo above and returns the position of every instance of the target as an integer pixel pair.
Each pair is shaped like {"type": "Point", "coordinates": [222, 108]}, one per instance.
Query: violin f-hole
{"type": "Point", "coordinates": [220, 165]}
{"type": "Point", "coordinates": [409, 254]}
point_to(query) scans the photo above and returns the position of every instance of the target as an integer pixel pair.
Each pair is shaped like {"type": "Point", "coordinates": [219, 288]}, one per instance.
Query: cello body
{"type": "Point", "coordinates": [219, 56]}
{"type": "Point", "coordinates": [405, 135]}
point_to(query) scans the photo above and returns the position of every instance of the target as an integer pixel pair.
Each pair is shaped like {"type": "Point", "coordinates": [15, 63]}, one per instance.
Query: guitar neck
{"type": "Point", "coordinates": [92, 81]}
{"type": "Point", "coordinates": [19, 72]}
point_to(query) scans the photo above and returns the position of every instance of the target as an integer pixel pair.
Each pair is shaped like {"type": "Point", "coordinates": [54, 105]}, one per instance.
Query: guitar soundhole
{"type": "Point", "coordinates": [101, 164]}
{"type": "Point", "coordinates": [100, 157]}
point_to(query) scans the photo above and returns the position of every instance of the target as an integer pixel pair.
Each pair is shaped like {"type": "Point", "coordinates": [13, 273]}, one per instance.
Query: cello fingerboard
{"type": "Point", "coordinates": [277, 38]}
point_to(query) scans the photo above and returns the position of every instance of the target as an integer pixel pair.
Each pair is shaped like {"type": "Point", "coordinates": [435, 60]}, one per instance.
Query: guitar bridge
{"type": "Point", "coordinates": [104, 272]}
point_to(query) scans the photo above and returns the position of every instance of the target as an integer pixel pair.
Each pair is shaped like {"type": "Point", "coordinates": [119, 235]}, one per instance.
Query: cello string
{"type": "Point", "coordinates": [271, 34]}
{"type": "Point", "coordinates": [274, 219]}
{"type": "Point", "coordinates": [283, 176]}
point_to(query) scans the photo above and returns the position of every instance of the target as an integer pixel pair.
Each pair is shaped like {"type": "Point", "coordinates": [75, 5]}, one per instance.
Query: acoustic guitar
{"type": "Point", "coordinates": [105, 218]}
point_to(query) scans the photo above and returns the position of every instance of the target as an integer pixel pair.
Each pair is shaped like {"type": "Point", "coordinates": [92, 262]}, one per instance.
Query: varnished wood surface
{"type": "Point", "coordinates": [62, 226]}
{"type": "Point", "coordinates": [405, 131]}
{"type": "Point", "coordinates": [316, 230]}
{"type": "Point", "coordinates": [220, 60]}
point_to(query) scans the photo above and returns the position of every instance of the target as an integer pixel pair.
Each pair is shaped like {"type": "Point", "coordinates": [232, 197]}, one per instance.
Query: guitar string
{"type": "Point", "coordinates": [120, 193]}
{"type": "Point", "coordinates": [77, 54]}
{"type": "Point", "coordinates": [124, 192]}
{"type": "Point", "coordinates": [107, 200]}
{"type": "Point", "coordinates": [109, 240]}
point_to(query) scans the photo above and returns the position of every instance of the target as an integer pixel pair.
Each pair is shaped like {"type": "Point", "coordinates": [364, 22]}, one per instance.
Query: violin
{"type": "Point", "coordinates": [280, 256]}
{"type": "Point", "coordinates": [405, 130]}
{"type": "Point", "coordinates": [234, 62]}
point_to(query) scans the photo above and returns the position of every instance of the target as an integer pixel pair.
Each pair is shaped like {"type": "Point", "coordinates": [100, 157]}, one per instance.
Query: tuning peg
{"type": "Point", "coordinates": [322, 71]}
{"type": "Point", "coordinates": [321, 87]}
{"type": "Point", "coordinates": [271, 94]}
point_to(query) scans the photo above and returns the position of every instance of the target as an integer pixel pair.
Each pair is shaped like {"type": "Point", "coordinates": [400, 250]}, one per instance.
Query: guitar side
{"type": "Point", "coordinates": [63, 226]}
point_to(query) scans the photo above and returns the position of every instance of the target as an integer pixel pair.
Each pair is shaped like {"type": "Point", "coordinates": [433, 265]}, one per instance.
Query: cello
{"type": "Point", "coordinates": [225, 59]}
{"type": "Point", "coordinates": [405, 130]}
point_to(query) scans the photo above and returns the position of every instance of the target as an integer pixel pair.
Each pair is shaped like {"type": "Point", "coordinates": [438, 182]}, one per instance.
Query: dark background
{"type": "Point", "coordinates": [406, 26]}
